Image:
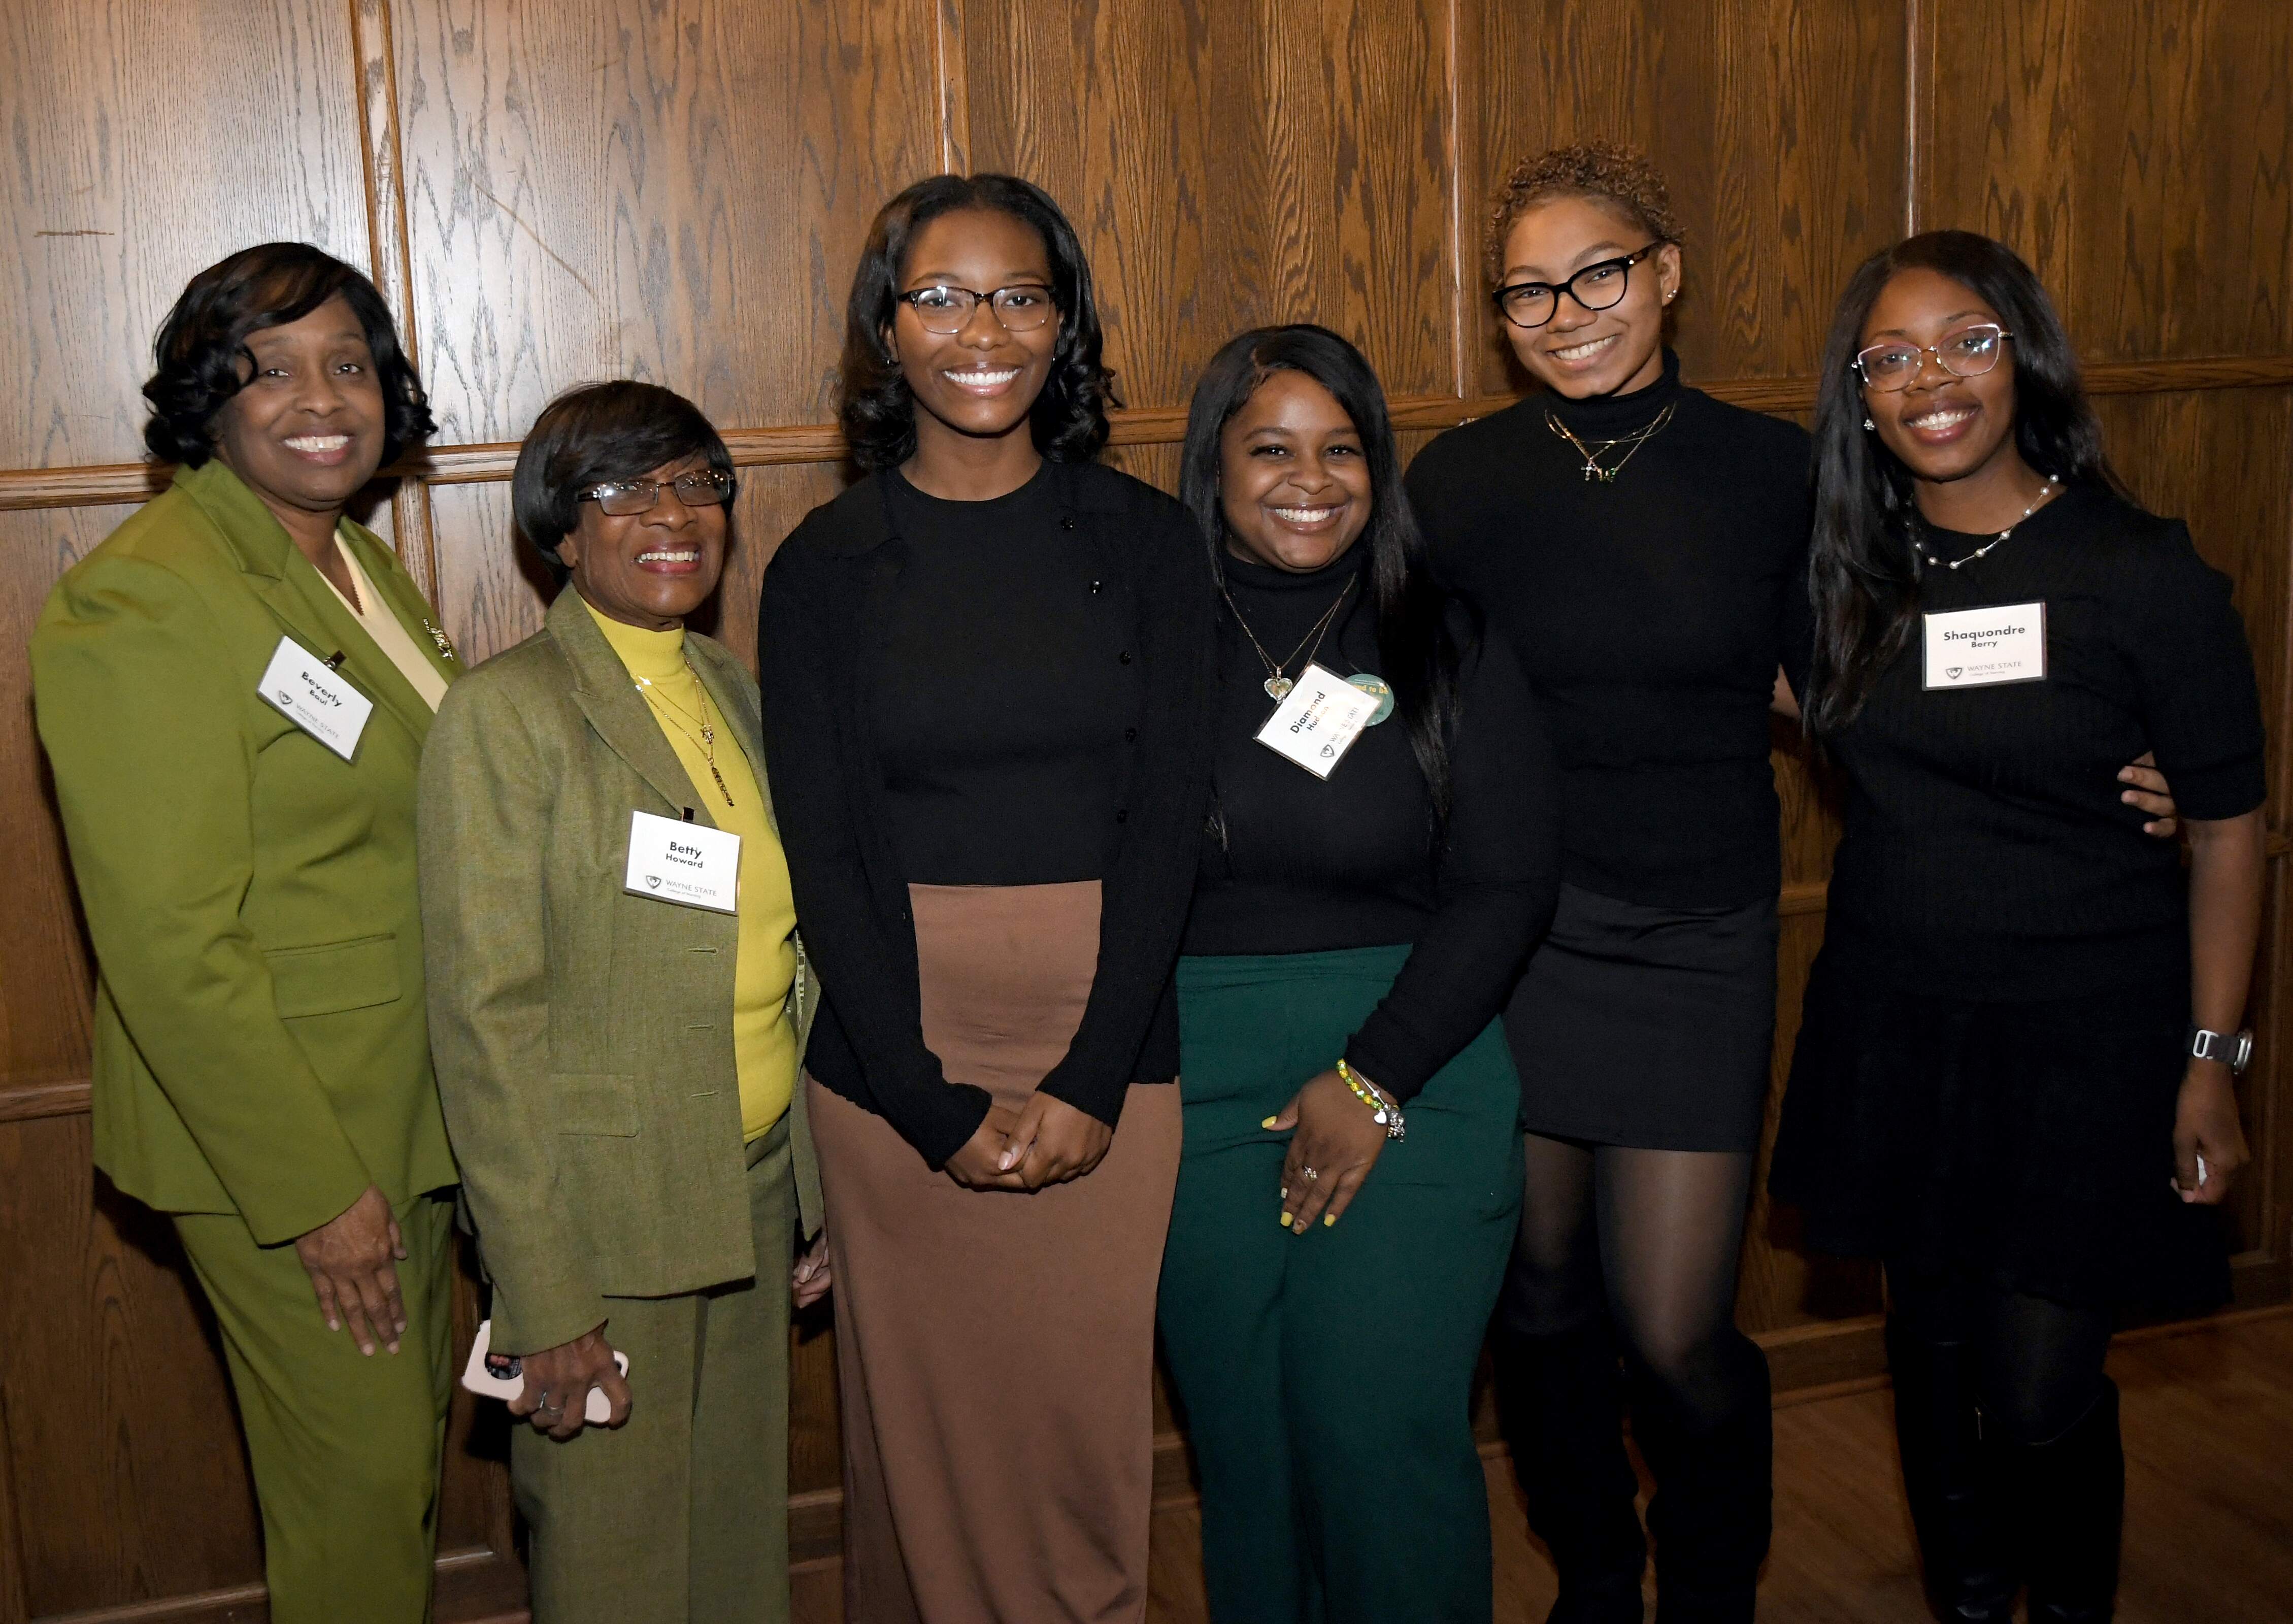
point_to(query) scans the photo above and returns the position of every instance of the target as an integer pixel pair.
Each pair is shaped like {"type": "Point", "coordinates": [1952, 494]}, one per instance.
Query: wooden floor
{"type": "Point", "coordinates": [2209, 1420]}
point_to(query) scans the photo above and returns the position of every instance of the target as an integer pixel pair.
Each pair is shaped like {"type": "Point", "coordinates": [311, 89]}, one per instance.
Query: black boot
{"type": "Point", "coordinates": [1948, 1478]}
{"type": "Point", "coordinates": [1560, 1400]}
{"type": "Point", "coordinates": [2072, 1492]}
{"type": "Point", "coordinates": [1714, 1508]}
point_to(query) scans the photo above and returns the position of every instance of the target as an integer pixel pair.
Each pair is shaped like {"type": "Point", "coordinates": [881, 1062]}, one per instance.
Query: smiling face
{"type": "Point", "coordinates": [1292, 477]}
{"type": "Point", "coordinates": [650, 569]}
{"type": "Point", "coordinates": [305, 429]}
{"type": "Point", "coordinates": [1943, 428]}
{"type": "Point", "coordinates": [980, 382]}
{"type": "Point", "coordinates": [1584, 353]}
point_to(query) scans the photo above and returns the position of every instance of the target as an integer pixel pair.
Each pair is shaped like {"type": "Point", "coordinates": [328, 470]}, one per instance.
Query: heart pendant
{"type": "Point", "coordinates": [1278, 686]}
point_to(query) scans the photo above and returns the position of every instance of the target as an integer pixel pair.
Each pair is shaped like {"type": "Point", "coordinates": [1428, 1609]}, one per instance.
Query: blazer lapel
{"type": "Point", "coordinates": [609, 698]}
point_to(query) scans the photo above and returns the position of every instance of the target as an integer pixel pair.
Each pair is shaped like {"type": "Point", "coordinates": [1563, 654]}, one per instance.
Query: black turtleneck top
{"type": "Point", "coordinates": [1294, 863]}
{"type": "Point", "coordinates": [1649, 613]}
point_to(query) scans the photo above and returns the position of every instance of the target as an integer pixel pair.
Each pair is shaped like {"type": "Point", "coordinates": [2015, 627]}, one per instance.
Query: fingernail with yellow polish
{"type": "Point", "coordinates": [1329, 1220]}
{"type": "Point", "coordinates": [1267, 1123]}
{"type": "Point", "coordinates": [1285, 1221]}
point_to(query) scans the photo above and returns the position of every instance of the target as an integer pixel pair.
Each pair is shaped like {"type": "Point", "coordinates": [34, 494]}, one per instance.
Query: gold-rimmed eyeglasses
{"type": "Point", "coordinates": [621, 498]}
{"type": "Point", "coordinates": [1969, 353]}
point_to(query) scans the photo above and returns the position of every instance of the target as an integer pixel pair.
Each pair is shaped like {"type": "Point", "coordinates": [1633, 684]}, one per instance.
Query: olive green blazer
{"type": "Point", "coordinates": [259, 1042]}
{"type": "Point", "coordinates": [584, 1036]}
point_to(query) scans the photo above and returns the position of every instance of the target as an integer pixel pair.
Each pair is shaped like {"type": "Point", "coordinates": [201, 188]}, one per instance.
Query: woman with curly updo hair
{"type": "Point", "coordinates": [986, 671]}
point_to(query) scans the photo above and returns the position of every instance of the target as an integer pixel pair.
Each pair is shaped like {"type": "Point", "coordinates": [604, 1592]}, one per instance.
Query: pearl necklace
{"type": "Point", "coordinates": [2045, 491]}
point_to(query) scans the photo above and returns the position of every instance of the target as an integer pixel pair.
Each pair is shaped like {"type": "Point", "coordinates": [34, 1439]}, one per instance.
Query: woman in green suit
{"type": "Point", "coordinates": [620, 1003]}
{"type": "Point", "coordinates": [234, 691]}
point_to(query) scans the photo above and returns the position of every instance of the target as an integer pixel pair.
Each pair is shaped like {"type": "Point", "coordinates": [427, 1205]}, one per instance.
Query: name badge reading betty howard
{"type": "Point", "coordinates": [315, 696]}
{"type": "Point", "coordinates": [1980, 648]}
{"type": "Point", "coordinates": [690, 864]}
{"type": "Point", "coordinates": [1318, 720]}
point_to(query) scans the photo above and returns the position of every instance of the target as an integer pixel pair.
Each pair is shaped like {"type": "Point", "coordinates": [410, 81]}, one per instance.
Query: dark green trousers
{"type": "Point", "coordinates": [1326, 1378]}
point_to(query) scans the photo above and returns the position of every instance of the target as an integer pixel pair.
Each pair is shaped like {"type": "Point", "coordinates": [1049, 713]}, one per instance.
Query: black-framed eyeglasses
{"type": "Point", "coordinates": [701, 488]}
{"type": "Point", "coordinates": [1969, 353]}
{"type": "Point", "coordinates": [1599, 286]}
{"type": "Point", "coordinates": [945, 308]}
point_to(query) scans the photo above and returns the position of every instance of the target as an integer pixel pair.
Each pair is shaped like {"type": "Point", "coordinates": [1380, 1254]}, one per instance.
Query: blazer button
{"type": "Point", "coordinates": [1124, 656]}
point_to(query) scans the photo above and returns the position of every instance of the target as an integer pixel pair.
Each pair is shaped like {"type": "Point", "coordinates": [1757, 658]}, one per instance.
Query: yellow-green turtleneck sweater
{"type": "Point", "coordinates": [764, 1043]}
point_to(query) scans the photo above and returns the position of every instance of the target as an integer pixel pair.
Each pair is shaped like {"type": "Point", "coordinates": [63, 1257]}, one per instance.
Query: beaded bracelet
{"type": "Point", "coordinates": [1384, 1110]}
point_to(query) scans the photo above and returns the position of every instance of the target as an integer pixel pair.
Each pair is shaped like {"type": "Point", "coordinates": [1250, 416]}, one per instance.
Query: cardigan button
{"type": "Point", "coordinates": [1094, 586]}
{"type": "Point", "coordinates": [1130, 735]}
{"type": "Point", "coordinates": [1067, 522]}
{"type": "Point", "coordinates": [1124, 656]}
{"type": "Point", "coordinates": [1121, 814]}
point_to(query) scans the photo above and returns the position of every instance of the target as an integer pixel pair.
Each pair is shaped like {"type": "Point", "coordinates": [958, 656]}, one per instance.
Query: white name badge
{"type": "Point", "coordinates": [1318, 720]}
{"type": "Point", "coordinates": [690, 864]}
{"type": "Point", "coordinates": [1980, 648]}
{"type": "Point", "coordinates": [315, 697]}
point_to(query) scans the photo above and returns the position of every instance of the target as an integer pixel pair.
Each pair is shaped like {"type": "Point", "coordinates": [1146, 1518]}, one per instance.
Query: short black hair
{"type": "Point", "coordinates": [204, 338]}
{"type": "Point", "coordinates": [594, 435]}
{"type": "Point", "coordinates": [1069, 417]}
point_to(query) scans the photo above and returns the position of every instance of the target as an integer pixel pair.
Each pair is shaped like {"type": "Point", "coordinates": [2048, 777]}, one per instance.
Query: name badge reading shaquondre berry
{"type": "Point", "coordinates": [688, 863]}
{"type": "Point", "coordinates": [1318, 720]}
{"type": "Point", "coordinates": [1981, 649]}
{"type": "Point", "coordinates": [316, 697]}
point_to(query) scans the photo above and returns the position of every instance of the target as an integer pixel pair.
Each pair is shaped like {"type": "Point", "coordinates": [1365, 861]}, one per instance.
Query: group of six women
{"type": "Point", "coordinates": [1094, 876]}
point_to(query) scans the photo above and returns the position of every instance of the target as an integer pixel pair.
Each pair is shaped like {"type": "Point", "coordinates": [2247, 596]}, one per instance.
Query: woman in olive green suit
{"type": "Point", "coordinates": [618, 1069]}
{"type": "Point", "coordinates": [234, 691]}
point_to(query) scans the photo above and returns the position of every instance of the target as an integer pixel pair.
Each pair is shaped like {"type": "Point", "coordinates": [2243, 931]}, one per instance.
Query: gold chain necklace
{"type": "Point", "coordinates": [1279, 685]}
{"type": "Point", "coordinates": [1592, 454]}
{"type": "Point", "coordinates": [681, 717]}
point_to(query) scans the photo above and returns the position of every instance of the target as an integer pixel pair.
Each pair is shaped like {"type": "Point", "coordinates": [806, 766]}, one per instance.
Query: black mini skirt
{"type": "Point", "coordinates": [2030, 1143]}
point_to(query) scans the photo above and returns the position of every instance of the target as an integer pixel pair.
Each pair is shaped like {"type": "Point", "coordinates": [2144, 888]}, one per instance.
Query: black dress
{"type": "Point", "coordinates": [1992, 1041]}
{"type": "Point", "coordinates": [1649, 613]}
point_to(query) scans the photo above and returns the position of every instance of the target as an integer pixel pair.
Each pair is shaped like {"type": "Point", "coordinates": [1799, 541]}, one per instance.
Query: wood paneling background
{"type": "Point", "coordinates": [676, 190]}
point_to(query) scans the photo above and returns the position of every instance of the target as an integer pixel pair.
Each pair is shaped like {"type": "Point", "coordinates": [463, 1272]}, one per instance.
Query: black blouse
{"type": "Point", "coordinates": [1294, 863]}
{"type": "Point", "coordinates": [1985, 853]}
{"type": "Point", "coordinates": [1649, 613]}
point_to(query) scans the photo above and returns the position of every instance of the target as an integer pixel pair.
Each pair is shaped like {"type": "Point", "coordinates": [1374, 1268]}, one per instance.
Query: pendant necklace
{"type": "Point", "coordinates": [1927, 552]}
{"type": "Point", "coordinates": [1593, 453]}
{"type": "Point", "coordinates": [1279, 685]}
{"type": "Point", "coordinates": [681, 717]}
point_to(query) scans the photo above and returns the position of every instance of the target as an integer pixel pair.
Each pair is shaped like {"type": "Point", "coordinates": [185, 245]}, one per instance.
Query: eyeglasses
{"type": "Point", "coordinates": [1599, 285]}
{"type": "Point", "coordinates": [1968, 353]}
{"type": "Point", "coordinates": [1021, 308]}
{"type": "Point", "coordinates": [701, 488]}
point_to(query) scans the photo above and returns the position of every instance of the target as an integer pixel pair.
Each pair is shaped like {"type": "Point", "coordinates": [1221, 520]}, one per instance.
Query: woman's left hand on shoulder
{"type": "Point", "coordinates": [1335, 1142]}
{"type": "Point", "coordinates": [1055, 1141]}
{"type": "Point", "coordinates": [2206, 1126]}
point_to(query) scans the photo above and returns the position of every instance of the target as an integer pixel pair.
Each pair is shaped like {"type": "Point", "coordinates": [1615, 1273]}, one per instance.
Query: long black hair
{"type": "Point", "coordinates": [1862, 569]}
{"type": "Point", "coordinates": [1417, 641]}
{"type": "Point", "coordinates": [1069, 417]}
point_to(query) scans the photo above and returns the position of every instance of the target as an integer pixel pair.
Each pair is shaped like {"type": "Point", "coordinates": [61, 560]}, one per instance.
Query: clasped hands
{"type": "Point", "coordinates": [1045, 1141]}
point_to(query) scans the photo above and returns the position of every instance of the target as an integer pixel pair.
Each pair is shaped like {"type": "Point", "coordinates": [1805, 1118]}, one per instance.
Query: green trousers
{"type": "Point", "coordinates": [344, 1447]}
{"type": "Point", "coordinates": [680, 1514]}
{"type": "Point", "coordinates": [1326, 1378]}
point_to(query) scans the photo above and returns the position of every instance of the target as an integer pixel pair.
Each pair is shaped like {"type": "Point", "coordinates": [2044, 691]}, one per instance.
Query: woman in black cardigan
{"type": "Point", "coordinates": [986, 671]}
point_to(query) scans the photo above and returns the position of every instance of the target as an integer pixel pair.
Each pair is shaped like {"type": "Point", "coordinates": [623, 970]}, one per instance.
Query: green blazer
{"type": "Point", "coordinates": [584, 1036]}
{"type": "Point", "coordinates": [260, 1041]}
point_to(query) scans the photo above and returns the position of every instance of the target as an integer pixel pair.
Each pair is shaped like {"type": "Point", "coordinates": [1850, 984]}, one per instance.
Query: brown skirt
{"type": "Point", "coordinates": [995, 1350]}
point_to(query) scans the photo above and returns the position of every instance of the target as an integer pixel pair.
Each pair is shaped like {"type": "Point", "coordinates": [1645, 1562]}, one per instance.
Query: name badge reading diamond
{"type": "Point", "coordinates": [1983, 648]}
{"type": "Point", "coordinates": [688, 863]}
{"type": "Point", "coordinates": [1318, 720]}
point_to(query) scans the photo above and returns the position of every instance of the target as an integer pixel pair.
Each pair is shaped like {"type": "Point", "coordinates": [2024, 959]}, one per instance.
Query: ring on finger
{"type": "Point", "coordinates": [1310, 1173]}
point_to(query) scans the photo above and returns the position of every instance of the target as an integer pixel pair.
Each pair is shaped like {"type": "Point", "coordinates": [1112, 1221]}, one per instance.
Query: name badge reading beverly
{"type": "Point", "coordinates": [1318, 720]}
{"type": "Point", "coordinates": [315, 697]}
{"type": "Point", "coordinates": [1980, 648]}
{"type": "Point", "coordinates": [690, 864]}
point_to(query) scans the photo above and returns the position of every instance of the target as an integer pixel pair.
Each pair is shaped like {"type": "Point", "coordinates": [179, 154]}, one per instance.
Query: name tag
{"type": "Point", "coordinates": [315, 697]}
{"type": "Point", "coordinates": [1318, 720]}
{"type": "Point", "coordinates": [690, 864]}
{"type": "Point", "coordinates": [1980, 648]}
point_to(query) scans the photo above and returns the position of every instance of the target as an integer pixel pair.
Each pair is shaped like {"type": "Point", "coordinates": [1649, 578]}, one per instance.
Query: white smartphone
{"type": "Point", "coordinates": [502, 1375]}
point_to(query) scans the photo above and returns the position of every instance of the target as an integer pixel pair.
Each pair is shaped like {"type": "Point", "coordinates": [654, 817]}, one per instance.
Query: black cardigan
{"type": "Point", "coordinates": [818, 633]}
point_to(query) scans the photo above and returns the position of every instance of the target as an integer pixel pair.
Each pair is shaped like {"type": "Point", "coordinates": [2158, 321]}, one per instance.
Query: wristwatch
{"type": "Point", "coordinates": [2232, 1049]}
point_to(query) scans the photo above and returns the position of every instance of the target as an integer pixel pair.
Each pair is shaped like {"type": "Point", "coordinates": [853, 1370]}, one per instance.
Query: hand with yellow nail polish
{"type": "Point", "coordinates": [1334, 1141]}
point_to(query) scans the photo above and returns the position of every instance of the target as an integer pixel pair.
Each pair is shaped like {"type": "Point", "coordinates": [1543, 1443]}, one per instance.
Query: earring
{"type": "Point", "coordinates": [1868, 424]}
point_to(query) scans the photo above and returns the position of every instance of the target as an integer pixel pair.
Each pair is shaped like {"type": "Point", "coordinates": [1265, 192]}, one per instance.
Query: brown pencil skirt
{"type": "Point", "coordinates": [995, 1350]}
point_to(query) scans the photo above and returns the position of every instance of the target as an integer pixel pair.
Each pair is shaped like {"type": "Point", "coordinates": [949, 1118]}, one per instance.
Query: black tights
{"type": "Point", "coordinates": [2037, 1363]}
{"type": "Point", "coordinates": [1652, 1238]}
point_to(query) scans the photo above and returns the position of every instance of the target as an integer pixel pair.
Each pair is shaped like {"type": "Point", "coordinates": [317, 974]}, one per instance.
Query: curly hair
{"type": "Point", "coordinates": [1603, 171]}
{"type": "Point", "coordinates": [879, 412]}
{"type": "Point", "coordinates": [204, 338]}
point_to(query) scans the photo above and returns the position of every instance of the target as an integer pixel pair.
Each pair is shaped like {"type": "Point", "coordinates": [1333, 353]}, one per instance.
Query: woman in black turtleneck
{"type": "Point", "coordinates": [1352, 940]}
{"type": "Point", "coordinates": [1635, 541]}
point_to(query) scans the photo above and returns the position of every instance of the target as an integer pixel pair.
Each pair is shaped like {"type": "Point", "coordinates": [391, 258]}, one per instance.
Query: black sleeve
{"type": "Point", "coordinates": [1142, 907]}
{"type": "Point", "coordinates": [1499, 880]}
{"type": "Point", "coordinates": [868, 971]}
{"type": "Point", "coordinates": [2200, 704]}
{"type": "Point", "coordinates": [1428, 493]}
{"type": "Point", "coordinates": [1797, 655]}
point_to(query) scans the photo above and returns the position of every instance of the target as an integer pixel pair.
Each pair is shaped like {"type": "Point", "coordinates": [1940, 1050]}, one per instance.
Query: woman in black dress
{"type": "Point", "coordinates": [2014, 1077]}
{"type": "Point", "coordinates": [1636, 540]}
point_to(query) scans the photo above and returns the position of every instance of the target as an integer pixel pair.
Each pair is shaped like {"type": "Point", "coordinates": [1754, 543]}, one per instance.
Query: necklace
{"type": "Point", "coordinates": [1279, 685]}
{"type": "Point", "coordinates": [1927, 552]}
{"type": "Point", "coordinates": [1593, 453]}
{"type": "Point", "coordinates": [706, 736]}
